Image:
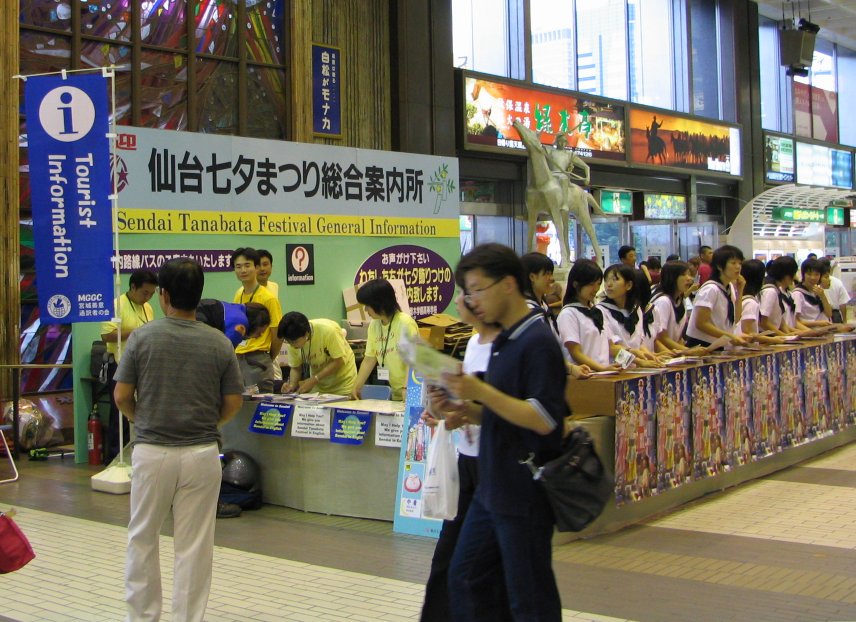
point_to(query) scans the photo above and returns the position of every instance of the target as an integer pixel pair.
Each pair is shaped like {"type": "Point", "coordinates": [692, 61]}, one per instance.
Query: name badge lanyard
{"type": "Point", "coordinates": [305, 369]}
{"type": "Point", "coordinates": [383, 371]}
{"type": "Point", "coordinates": [144, 318]}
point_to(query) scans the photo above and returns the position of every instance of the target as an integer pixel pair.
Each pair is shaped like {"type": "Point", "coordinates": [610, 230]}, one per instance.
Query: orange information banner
{"type": "Point", "coordinates": [595, 129]}
{"type": "Point", "coordinates": [659, 139]}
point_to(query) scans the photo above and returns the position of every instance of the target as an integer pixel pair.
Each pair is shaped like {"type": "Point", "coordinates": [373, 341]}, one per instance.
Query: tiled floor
{"type": "Point", "coordinates": [782, 548]}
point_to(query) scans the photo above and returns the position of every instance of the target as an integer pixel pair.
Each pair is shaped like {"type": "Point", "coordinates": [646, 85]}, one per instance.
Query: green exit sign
{"type": "Point", "coordinates": [616, 202]}
{"type": "Point", "coordinates": [835, 216]}
{"type": "Point", "coordinates": [798, 214]}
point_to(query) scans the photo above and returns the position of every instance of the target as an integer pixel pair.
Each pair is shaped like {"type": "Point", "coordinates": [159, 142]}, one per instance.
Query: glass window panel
{"type": "Point", "coordinates": [768, 50]}
{"type": "Point", "coordinates": [97, 54]}
{"type": "Point", "coordinates": [553, 59]}
{"type": "Point", "coordinates": [163, 90]}
{"type": "Point", "coordinates": [846, 93]}
{"type": "Point", "coordinates": [107, 19]}
{"type": "Point", "coordinates": [649, 30]}
{"type": "Point", "coordinates": [41, 53]}
{"type": "Point", "coordinates": [215, 28]}
{"type": "Point", "coordinates": [46, 14]}
{"type": "Point", "coordinates": [823, 65]}
{"type": "Point", "coordinates": [705, 58]}
{"type": "Point", "coordinates": [480, 35]}
{"type": "Point", "coordinates": [497, 229]}
{"type": "Point", "coordinates": [217, 85]}
{"type": "Point", "coordinates": [264, 31]}
{"type": "Point", "coordinates": [602, 48]}
{"type": "Point", "coordinates": [265, 102]}
{"type": "Point", "coordinates": [164, 23]}
{"type": "Point", "coordinates": [608, 237]}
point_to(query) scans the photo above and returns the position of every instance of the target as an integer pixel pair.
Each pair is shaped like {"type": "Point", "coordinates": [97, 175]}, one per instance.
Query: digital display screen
{"type": "Point", "coordinates": [779, 159]}
{"type": "Point", "coordinates": [818, 165]}
{"type": "Point", "coordinates": [619, 202]}
{"type": "Point", "coordinates": [665, 207]}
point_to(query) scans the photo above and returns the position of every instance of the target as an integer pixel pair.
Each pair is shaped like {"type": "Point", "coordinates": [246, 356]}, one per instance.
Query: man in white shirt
{"type": "Point", "coordinates": [836, 293]}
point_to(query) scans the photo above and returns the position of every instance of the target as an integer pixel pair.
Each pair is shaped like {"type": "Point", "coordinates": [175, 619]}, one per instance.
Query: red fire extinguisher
{"type": "Point", "coordinates": [93, 436]}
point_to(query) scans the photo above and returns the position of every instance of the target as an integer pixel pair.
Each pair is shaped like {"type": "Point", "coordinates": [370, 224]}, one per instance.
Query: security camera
{"type": "Point", "coordinates": [807, 26]}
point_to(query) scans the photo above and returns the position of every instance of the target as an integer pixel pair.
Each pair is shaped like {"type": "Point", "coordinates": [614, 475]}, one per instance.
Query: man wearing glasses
{"type": "Point", "coordinates": [502, 565]}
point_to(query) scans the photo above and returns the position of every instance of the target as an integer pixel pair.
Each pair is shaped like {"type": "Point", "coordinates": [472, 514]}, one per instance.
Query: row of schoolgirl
{"type": "Point", "coordinates": [744, 301]}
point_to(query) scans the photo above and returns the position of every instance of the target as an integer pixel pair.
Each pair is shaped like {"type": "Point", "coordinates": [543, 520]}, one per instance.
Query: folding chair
{"type": "Point", "coordinates": [376, 392]}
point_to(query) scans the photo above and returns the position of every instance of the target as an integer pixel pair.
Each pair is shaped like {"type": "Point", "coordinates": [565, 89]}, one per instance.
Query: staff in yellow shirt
{"type": "Point", "coordinates": [387, 325]}
{"type": "Point", "coordinates": [319, 357]}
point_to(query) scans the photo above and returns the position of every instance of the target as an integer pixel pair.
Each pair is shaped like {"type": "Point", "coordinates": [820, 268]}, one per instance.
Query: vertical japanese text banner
{"type": "Point", "coordinates": [67, 125]}
{"type": "Point", "coordinates": [326, 91]}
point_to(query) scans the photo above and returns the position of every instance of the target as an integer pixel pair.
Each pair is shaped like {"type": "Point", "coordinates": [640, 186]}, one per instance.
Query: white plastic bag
{"type": "Point", "coordinates": [441, 486]}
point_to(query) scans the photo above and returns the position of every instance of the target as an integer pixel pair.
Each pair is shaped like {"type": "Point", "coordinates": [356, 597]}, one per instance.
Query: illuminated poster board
{"type": "Point", "coordinates": [595, 129]}
{"type": "Point", "coordinates": [779, 159]}
{"type": "Point", "coordinates": [797, 214]}
{"type": "Point", "coordinates": [658, 139]}
{"type": "Point", "coordinates": [835, 216]}
{"type": "Point", "coordinates": [665, 207]}
{"type": "Point", "coordinates": [618, 202]}
{"type": "Point", "coordinates": [818, 165]}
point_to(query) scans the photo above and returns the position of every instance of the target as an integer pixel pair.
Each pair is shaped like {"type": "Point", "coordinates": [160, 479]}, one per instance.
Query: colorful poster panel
{"type": "Point", "coordinates": [818, 409]}
{"type": "Point", "coordinates": [765, 405]}
{"type": "Point", "coordinates": [660, 139]}
{"type": "Point", "coordinates": [709, 456]}
{"type": "Point", "coordinates": [674, 466]}
{"type": "Point", "coordinates": [411, 467]}
{"type": "Point", "coordinates": [793, 416]}
{"type": "Point", "coordinates": [850, 367]}
{"type": "Point", "coordinates": [836, 382]}
{"type": "Point", "coordinates": [737, 398]}
{"type": "Point", "coordinates": [635, 440]}
{"type": "Point", "coordinates": [594, 129]}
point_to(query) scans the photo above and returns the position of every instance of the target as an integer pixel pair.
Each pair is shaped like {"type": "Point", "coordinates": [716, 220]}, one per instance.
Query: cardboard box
{"type": "Point", "coordinates": [433, 328]}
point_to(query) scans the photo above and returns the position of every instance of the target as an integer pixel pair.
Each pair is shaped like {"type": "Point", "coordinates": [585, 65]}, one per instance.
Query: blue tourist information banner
{"type": "Point", "coordinates": [69, 153]}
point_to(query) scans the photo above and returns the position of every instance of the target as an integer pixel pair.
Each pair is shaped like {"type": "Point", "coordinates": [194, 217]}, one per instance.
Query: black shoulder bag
{"type": "Point", "coordinates": [577, 483]}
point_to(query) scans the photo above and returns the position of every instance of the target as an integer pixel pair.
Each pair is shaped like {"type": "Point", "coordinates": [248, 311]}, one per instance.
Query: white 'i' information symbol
{"type": "Point", "coordinates": [67, 113]}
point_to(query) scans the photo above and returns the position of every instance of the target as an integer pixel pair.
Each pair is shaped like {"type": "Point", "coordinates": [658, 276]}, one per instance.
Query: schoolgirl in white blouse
{"type": "Point", "coordinates": [581, 326]}
{"type": "Point", "coordinates": [813, 308]}
{"type": "Point", "coordinates": [670, 309]}
{"type": "Point", "coordinates": [753, 272]}
{"type": "Point", "coordinates": [716, 312]}
{"type": "Point", "coordinates": [623, 317]}
{"type": "Point", "coordinates": [778, 308]}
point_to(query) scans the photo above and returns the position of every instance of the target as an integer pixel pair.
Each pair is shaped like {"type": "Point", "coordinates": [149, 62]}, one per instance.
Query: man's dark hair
{"type": "Point", "coordinates": [293, 325]}
{"type": "Point", "coordinates": [257, 316]}
{"type": "Point", "coordinates": [624, 251]}
{"type": "Point", "coordinates": [264, 254]}
{"type": "Point", "coordinates": [721, 257]}
{"type": "Point", "coordinates": [813, 265]}
{"type": "Point", "coordinates": [753, 271]}
{"type": "Point", "coordinates": [673, 257]}
{"type": "Point", "coordinates": [669, 275]}
{"type": "Point", "coordinates": [642, 287]}
{"type": "Point", "coordinates": [182, 278]}
{"type": "Point", "coordinates": [248, 253]}
{"type": "Point", "coordinates": [142, 277]}
{"type": "Point", "coordinates": [379, 295]}
{"type": "Point", "coordinates": [583, 272]}
{"type": "Point", "coordinates": [496, 261]}
{"type": "Point", "coordinates": [812, 256]}
{"type": "Point", "coordinates": [703, 248]}
{"type": "Point", "coordinates": [535, 263]}
{"type": "Point", "coordinates": [653, 263]}
{"type": "Point", "coordinates": [628, 275]}
{"type": "Point", "coordinates": [782, 267]}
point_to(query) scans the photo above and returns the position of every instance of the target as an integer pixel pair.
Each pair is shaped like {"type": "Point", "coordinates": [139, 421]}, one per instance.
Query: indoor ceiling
{"type": "Point", "coordinates": [836, 18]}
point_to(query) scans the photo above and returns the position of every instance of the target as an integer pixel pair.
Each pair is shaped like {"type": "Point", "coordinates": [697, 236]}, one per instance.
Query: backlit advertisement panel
{"type": "Point", "coordinates": [594, 129]}
{"type": "Point", "coordinates": [779, 159]}
{"type": "Point", "coordinates": [818, 165]}
{"type": "Point", "coordinates": [658, 139]}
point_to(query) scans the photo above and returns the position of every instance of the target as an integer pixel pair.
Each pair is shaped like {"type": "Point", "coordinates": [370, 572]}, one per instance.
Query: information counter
{"type": "Point", "coordinates": [678, 434]}
{"type": "Point", "coordinates": [321, 475]}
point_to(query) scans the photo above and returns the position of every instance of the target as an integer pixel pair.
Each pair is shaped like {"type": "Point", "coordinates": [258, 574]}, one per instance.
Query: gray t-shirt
{"type": "Point", "coordinates": [181, 369]}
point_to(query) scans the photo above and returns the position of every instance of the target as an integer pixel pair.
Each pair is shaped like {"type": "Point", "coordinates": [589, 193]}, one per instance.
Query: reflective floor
{"type": "Point", "coordinates": [780, 548]}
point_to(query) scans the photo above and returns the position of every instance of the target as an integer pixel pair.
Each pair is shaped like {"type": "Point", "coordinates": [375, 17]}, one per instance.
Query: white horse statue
{"type": "Point", "coordinates": [549, 191]}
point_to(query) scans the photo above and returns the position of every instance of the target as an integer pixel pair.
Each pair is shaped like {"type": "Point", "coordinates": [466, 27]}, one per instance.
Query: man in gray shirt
{"type": "Point", "coordinates": [178, 381]}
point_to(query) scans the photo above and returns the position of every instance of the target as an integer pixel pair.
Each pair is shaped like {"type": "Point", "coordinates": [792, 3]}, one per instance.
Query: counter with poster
{"type": "Point", "coordinates": [690, 430]}
{"type": "Point", "coordinates": [337, 458]}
